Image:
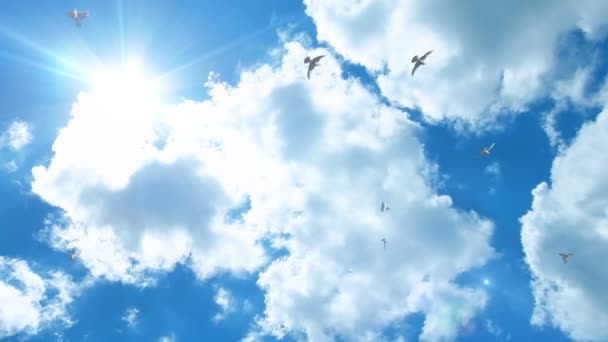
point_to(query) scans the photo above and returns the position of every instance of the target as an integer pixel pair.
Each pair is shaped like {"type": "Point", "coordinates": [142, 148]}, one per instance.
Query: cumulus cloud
{"type": "Point", "coordinates": [569, 215]}
{"type": "Point", "coordinates": [30, 302]}
{"type": "Point", "coordinates": [130, 317]}
{"type": "Point", "coordinates": [133, 209]}
{"type": "Point", "coordinates": [17, 135]}
{"type": "Point", "coordinates": [489, 57]}
{"type": "Point", "coordinates": [314, 158]}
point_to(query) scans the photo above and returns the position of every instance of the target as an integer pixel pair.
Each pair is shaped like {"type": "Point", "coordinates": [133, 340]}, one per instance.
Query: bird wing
{"type": "Point", "coordinates": [318, 58]}
{"type": "Point", "coordinates": [83, 14]}
{"type": "Point", "coordinates": [310, 67]}
{"type": "Point", "coordinates": [489, 148]}
{"type": "Point", "coordinates": [71, 14]}
{"type": "Point", "coordinates": [426, 54]}
{"type": "Point", "coordinates": [562, 254]}
{"type": "Point", "coordinates": [415, 67]}
{"type": "Point", "coordinates": [415, 59]}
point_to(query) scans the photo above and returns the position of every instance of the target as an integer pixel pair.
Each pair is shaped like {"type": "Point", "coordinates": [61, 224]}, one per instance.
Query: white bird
{"type": "Point", "coordinates": [565, 256]}
{"type": "Point", "coordinates": [384, 207]}
{"type": "Point", "coordinates": [384, 241]}
{"type": "Point", "coordinates": [485, 151]}
{"type": "Point", "coordinates": [419, 61]}
{"type": "Point", "coordinates": [75, 255]}
{"type": "Point", "coordinates": [312, 63]}
{"type": "Point", "coordinates": [78, 15]}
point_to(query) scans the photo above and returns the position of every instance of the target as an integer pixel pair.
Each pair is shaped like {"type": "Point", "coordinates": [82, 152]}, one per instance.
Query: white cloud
{"type": "Point", "coordinates": [10, 166]}
{"type": "Point", "coordinates": [30, 302]}
{"type": "Point", "coordinates": [315, 158]}
{"type": "Point", "coordinates": [488, 56]}
{"type": "Point", "coordinates": [17, 135]}
{"type": "Point", "coordinates": [224, 299]}
{"type": "Point", "coordinates": [551, 130]}
{"type": "Point", "coordinates": [130, 317]}
{"type": "Point", "coordinates": [169, 338]}
{"type": "Point", "coordinates": [495, 330]}
{"type": "Point", "coordinates": [133, 210]}
{"type": "Point", "coordinates": [493, 169]}
{"type": "Point", "coordinates": [570, 216]}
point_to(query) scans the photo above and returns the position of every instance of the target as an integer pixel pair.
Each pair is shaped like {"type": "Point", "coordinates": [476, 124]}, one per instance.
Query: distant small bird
{"type": "Point", "coordinates": [384, 207]}
{"type": "Point", "coordinates": [486, 151]}
{"type": "Point", "coordinates": [312, 63]}
{"type": "Point", "coordinates": [565, 257]}
{"type": "Point", "coordinates": [384, 241]}
{"type": "Point", "coordinates": [75, 255]}
{"type": "Point", "coordinates": [78, 15]}
{"type": "Point", "coordinates": [419, 61]}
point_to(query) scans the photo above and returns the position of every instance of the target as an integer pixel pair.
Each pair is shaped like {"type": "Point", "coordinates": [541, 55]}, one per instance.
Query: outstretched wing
{"type": "Point", "coordinates": [489, 148]}
{"type": "Point", "coordinates": [83, 14]}
{"type": "Point", "coordinates": [71, 14]}
{"type": "Point", "coordinates": [318, 58]}
{"type": "Point", "coordinates": [415, 67]}
{"type": "Point", "coordinates": [310, 67]}
{"type": "Point", "coordinates": [426, 54]}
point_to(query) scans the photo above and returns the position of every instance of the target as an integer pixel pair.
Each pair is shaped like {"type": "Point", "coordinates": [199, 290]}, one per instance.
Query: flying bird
{"type": "Point", "coordinates": [384, 207]}
{"type": "Point", "coordinates": [565, 257]}
{"type": "Point", "coordinates": [75, 255]}
{"type": "Point", "coordinates": [312, 63]}
{"type": "Point", "coordinates": [486, 151]}
{"type": "Point", "coordinates": [384, 242]}
{"type": "Point", "coordinates": [78, 15]}
{"type": "Point", "coordinates": [419, 61]}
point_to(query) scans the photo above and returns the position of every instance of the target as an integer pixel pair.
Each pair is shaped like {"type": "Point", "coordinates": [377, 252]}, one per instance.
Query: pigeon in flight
{"type": "Point", "coordinates": [486, 150]}
{"type": "Point", "coordinates": [384, 207]}
{"type": "Point", "coordinates": [565, 257]}
{"type": "Point", "coordinates": [312, 63]}
{"type": "Point", "coordinates": [384, 242]}
{"type": "Point", "coordinates": [77, 15]}
{"type": "Point", "coordinates": [419, 61]}
{"type": "Point", "coordinates": [75, 255]}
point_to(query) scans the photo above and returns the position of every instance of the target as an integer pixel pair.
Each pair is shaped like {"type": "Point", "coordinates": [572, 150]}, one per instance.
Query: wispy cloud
{"type": "Point", "coordinates": [10, 166]}
{"type": "Point", "coordinates": [130, 317]}
{"type": "Point", "coordinates": [226, 302]}
{"type": "Point", "coordinates": [493, 169]}
{"type": "Point", "coordinates": [168, 338]}
{"type": "Point", "coordinates": [31, 302]}
{"type": "Point", "coordinates": [17, 135]}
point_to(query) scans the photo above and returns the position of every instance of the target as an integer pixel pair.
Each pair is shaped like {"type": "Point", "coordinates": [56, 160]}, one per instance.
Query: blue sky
{"type": "Point", "coordinates": [215, 193]}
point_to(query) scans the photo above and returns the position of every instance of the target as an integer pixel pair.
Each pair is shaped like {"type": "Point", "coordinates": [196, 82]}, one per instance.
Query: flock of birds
{"type": "Point", "coordinates": [312, 64]}
{"type": "Point", "coordinates": [418, 61]}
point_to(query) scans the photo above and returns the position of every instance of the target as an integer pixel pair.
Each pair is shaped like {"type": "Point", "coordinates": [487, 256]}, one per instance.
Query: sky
{"type": "Point", "coordinates": [212, 192]}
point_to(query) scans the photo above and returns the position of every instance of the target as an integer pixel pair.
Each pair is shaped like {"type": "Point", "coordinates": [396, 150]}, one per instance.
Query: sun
{"type": "Point", "coordinates": [125, 86]}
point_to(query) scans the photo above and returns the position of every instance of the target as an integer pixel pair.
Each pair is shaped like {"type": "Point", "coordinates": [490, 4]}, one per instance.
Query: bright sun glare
{"type": "Point", "coordinates": [127, 84]}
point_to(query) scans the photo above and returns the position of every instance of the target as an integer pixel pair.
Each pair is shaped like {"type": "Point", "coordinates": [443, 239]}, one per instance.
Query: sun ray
{"type": "Point", "coordinates": [73, 68]}
{"type": "Point", "coordinates": [225, 47]}
{"type": "Point", "coordinates": [121, 29]}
